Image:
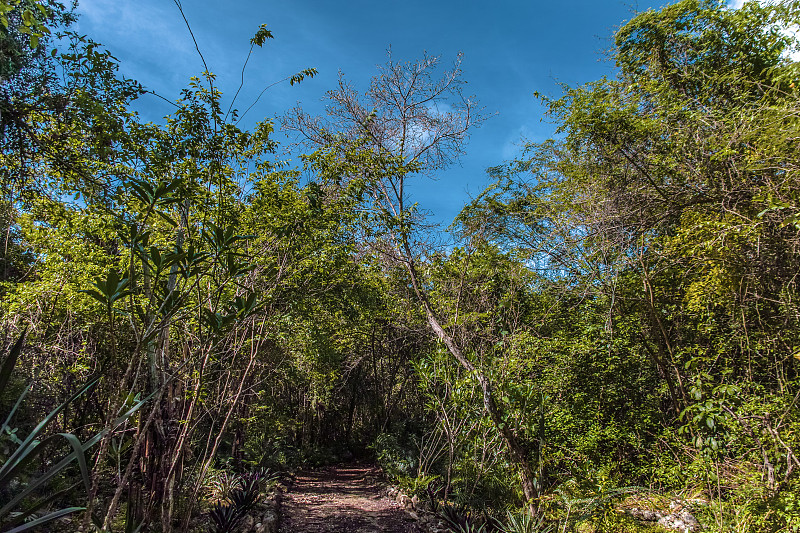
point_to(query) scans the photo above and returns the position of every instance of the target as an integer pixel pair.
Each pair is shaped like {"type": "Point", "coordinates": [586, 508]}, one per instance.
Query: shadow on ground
{"type": "Point", "coordinates": [342, 499]}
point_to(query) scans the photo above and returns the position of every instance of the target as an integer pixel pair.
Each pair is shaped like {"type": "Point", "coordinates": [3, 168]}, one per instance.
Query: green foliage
{"type": "Point", "coordinates": [526, 523]}
{"type": "Point", "coordinates": [396, 460]}
{"type": "Point", "coordinates": [594, 500]}
{"type": "Point", "coordinates": [300, 76]}
{"type": "Point", "coordinates": [242, 493]}
{"type": "Point", "coordinates": [623, 298]}
{"type": "Point", "coordinates": [261, 36]}
{"type": "Point", "coordinates": [660, 228]}
{"type": "Point", "coordinates": [29, 18]}
{"type": "Point", "coordinates": [461, 520]}
{"type": "Point", "coordinates": [21, 511]}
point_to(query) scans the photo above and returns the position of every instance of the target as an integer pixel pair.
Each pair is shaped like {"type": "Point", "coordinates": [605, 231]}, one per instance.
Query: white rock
{"type": "Point", "coordinates": [644, 514]}
{"type": "Point", "coordinates": [680, 521]}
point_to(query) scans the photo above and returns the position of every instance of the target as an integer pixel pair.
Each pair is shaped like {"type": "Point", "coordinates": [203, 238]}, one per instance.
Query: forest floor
{"type": "Point", "coordinates": [342, 499]}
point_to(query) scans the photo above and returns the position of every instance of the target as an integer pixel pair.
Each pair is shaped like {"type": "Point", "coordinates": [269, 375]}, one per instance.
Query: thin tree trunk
{"type": "Point", "coordinates": [515, 449]}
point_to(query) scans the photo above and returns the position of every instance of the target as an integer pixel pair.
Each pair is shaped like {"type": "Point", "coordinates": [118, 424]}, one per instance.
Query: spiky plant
{"type": "Point", "coordinates": [225, 517]}
{"type": "Point", "coordinates": [21, 511]}
{"type": "Point", "coordinates": [223, 483]}
{"type": "Point", "coordinates": [263, 475]}
{"type": "Point", "coordinates": [525, 523]}
{"type": "Point", "coordinates": [461, 520]}
{"type": "Point", "coordinates": [434, 490]}
{"type": "Point", "coordinates": [247, 496]}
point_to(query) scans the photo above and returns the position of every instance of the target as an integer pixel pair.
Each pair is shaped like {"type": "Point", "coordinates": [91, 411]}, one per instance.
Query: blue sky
{"type": "Point", "coordinates": [511, 49]}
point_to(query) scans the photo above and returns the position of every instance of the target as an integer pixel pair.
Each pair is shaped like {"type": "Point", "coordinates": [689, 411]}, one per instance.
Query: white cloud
{"type": "Point", "coordinates": [149, 39]}
{"type": "Point", "coordinates": [140, 20]}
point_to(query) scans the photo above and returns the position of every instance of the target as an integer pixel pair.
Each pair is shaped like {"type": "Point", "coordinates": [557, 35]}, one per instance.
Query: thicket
{"type": "Point", "coordinates": [615, 319]}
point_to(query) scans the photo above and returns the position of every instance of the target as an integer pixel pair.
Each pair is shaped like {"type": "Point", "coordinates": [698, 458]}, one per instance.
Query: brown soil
{"type": "Point", "coordinates": [342, 499]}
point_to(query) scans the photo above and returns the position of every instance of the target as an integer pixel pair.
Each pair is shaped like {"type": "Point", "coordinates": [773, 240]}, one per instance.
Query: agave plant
{"type": "Point", "coordinates": [471, 527]}
{"type": "Point", "coordinates": [226, 517]}
{"type": "Point", "coordinates": [525, 523]}
{"type": "Point", "coordinates": [241, 498]}
{"type": "Point", "coordinates": [247, 496]}
{"type": "Point", "coordinates": [460, 520]}
{"type": "Point", "coordinates": [264, 475]}
{"type": "Point", "coordinates": [223, 483]}
{"type": "Point", "coordinates": [20, 512]}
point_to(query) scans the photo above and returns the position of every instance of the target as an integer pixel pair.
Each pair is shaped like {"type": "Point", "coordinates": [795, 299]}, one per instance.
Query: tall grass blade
{"type": "Point", "coordinates": [10, 361]}
{"type": "Point", "coordinates": [30, 510]}
{"type": "Point", "coordinates": [28, 446]}
{"type": "Point", "coordinates": [44, 519]}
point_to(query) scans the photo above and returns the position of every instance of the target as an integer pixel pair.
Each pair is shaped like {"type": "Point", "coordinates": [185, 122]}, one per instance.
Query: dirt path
{"type": "Point", "coordinates": [342, 499]}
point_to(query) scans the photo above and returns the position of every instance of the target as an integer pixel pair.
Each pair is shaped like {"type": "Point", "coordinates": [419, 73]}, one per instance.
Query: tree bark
{"type": "Point", "coordinates": [515, 449]}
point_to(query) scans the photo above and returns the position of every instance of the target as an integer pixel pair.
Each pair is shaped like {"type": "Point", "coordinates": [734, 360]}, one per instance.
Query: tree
{"type": "Point", "coordinates": [409, 122]}
{"type": "Point", "coordinates": [158, 293]}
{"type": "Point", "coordinates": [671, 197]}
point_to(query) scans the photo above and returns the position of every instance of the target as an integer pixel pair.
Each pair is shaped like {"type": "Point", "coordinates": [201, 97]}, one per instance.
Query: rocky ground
{"type": "Point", "coordinates": [342, 499]}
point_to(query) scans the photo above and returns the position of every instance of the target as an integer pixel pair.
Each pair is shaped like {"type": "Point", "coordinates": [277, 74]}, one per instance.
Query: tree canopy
{"type": "Point", "coordinates": [614, 323]}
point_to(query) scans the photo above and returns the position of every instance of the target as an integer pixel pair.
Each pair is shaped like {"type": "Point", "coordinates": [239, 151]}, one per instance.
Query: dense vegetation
{"type": "Point", "coordinates": [617, 317]}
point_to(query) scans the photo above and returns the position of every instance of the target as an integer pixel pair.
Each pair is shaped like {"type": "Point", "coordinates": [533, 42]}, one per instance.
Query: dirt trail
{"type": "Point", "coordinates": [342, 499]}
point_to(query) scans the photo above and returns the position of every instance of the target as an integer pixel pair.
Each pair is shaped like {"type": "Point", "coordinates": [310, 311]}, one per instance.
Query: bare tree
{"type": "Point", "coordinates": [411, 121]}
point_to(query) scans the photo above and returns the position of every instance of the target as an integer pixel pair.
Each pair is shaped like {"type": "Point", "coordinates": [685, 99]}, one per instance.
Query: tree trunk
{"type": "Point", "coordinates": [516, 451]}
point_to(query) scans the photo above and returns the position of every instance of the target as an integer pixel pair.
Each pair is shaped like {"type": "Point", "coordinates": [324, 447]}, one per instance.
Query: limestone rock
{"type": "Point", "coordinates": [646, 515]}
{"type": "Point", "coordinates": [682, 521]}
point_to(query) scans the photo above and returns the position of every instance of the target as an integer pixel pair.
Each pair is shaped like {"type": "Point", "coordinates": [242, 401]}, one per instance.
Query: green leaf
{"type": "Point", "coordinates": [45, 519]}
{"type": "Point", "coordinates": [32, 509]}
{"type": "Point", "coordinates": [10, 360]}
{"type": "Point", "coordinates": [261, 36]}
{"type": "Point", "coordinates": [28, 448]}
{"type": "Point", "coordinates": [155, 258]}
{"type": "Point", "coordinates": [167, 218]}
{"type": "Point", "coordinates": [80, 455]}
{"type": "Point", "coordinates": [96, 295]}
{"type": "Point", "coordinates": [300, 76]}
{"type": "Point", "coordinates": [14, 409]}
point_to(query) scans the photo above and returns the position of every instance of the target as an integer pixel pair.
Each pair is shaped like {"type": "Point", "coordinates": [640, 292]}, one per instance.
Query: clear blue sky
{"type": "Point", "coordinates": [511, 49]}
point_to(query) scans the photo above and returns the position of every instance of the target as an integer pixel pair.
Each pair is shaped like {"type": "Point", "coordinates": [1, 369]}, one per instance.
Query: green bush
{"type": "Point", "coordinates": [396, 461]}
